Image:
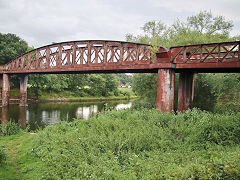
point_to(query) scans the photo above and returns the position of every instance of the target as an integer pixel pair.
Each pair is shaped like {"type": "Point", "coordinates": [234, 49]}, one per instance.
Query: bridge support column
{"type": "Point", "coordinates": [185, 90]}
{"type": "Point", "coordinates": [165, 90]}
{"type": "Point", "coordinates": [23, 90]}
{"type": "Point", "coordinates": [5, 90]}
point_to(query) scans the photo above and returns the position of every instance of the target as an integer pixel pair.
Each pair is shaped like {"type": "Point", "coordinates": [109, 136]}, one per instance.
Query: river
{"type": "Point", "coordinates": [40, 115]}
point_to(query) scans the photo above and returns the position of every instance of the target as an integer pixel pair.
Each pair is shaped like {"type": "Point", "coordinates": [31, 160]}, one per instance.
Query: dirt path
{"type": "Point", "coordinates": [12, 167]}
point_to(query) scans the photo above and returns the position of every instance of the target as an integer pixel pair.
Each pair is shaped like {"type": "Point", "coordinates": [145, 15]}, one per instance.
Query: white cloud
{"type": "Point", "coordinates": [227, 8]}
{"type": "Point", "coordinates": [45, 21]}
{"type": "Point", "coordinates": [42, 22]}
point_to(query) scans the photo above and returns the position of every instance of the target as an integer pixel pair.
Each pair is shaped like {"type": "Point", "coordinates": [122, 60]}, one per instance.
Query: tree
{"type": "Point", "coordinates": [154, 28]}
{"type": "Point", "coordinates": [77, 82]}
{"type": "Point", "coordinates": [36, 84]}
{"type": "Point", "coordinates": [111, 84]}
{"type": "Point", "coordinates": [124, 78]}
{"type": "Point", "coordinates": [102, 85]}
{"type": "Point", "coordinates": [145, 86]}
{"type": "Point", "coordinates": [11, 46]}
{"type": "Point", "coordinates": [204, 22]}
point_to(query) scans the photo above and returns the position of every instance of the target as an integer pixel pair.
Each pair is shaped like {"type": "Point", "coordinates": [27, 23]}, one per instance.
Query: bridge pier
{"type": "Point", "coordinates": [23, 90]}
{"type": "Point", "coordinates": [165, 90]}
{"type": "Point", "coordinates": [185, 90]}
{"type": "Point", "coordinates": [5, 90]}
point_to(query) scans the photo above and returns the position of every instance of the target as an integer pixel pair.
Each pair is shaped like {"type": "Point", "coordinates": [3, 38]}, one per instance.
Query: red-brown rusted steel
{"type": "Point", "coordinates": [185, 90]}
{"type": "Point", "coordinates": [116, 56]}
{"type": "Point", "coordinates": [23, 90]}
{"type": "Point", "coordinates": [165, 94]}
{"type": "Point", "coordinates": [5, 90]}
{"type": "Point", "coordinates": [224, 55]}
{"type": "Point", "coordinates": [84, 56]}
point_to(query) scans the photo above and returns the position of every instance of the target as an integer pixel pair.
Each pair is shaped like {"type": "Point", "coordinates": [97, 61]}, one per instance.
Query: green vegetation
{"type": "Point", "coordinates": [124, 79]}
{"type": "Point", "coordinates": [77, 86]}
{"type": "Point", "coordinates": [3, 157]}
{"type": "Point", "coordinates": [9, 129]}
{"type": "Point", "coordinates": [20, 163]}
{"type": "Point", "coordinates": [66, 95]}
{"type": "Point", "coordinates": [11, 46]}
{"type": "Point", "coordinates": [129, 144]}
{"type": "Point", "coordinates": [126, 92]}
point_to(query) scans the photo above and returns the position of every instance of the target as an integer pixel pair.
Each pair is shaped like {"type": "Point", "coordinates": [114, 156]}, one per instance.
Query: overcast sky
{"type": "Point", "coordinates": [41, 22]}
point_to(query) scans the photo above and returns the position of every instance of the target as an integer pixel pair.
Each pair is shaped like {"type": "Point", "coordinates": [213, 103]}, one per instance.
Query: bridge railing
{"type": "Point", "coordinates": [206, 53]}
{"type": "Point", "coordinates": [81, 54]}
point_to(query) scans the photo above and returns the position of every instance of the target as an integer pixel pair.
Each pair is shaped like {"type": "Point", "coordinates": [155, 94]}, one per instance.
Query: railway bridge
{"type": "Point", "coordinates": [97, 56]}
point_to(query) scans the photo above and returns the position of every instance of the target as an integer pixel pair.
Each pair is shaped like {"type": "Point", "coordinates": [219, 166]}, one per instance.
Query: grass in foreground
{"type": "Point", "coordinates": [131, 144]}
{"type": "Point", "coordinates": [20, 163]}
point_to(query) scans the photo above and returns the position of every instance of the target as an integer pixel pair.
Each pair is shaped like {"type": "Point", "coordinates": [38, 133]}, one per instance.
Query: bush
{"type": "Point", "coordinates": [142, 144]}
{"type": "Point", "coordinates": [9, 129]}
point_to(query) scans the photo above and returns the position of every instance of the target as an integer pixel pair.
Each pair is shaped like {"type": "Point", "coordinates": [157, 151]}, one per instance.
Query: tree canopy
{"type": "Point", "coordinates": [200, 28]}
{"type": "Point", "coordinates": [11, 46]}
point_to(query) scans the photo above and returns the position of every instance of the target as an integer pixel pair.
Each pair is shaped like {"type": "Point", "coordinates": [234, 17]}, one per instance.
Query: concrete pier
{"type": "Point", "coordinates": [5, 90]}
{"type": "Point", "coordinates": [185, 90]}
{"type": "Point", "coordinates": [23, 90]}
{"type": "Point", "coordinates": [165, 90]}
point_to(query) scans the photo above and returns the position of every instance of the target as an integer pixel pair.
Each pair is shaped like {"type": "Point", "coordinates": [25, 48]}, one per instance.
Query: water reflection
{"type": "Point", "coordinates": [39, 115]}
{"type": "Point", "coordinates": [87, 112]}
{"type": "Point", "coordinates": [22, 116]}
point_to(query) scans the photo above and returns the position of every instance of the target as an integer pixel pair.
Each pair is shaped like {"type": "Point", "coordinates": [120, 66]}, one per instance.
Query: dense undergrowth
{"type": "Point", "coordinates": [9, 128]}
{"type": "Point", "coordinates": [142, 144]}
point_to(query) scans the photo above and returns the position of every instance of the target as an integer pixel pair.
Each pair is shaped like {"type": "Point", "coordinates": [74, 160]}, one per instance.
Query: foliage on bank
{"type": "Point", "coordinates": [9, 128]}
{"type": "Point", "coordinates": [142, 144]}
{"type": "Point", "coordinates": [80, 85]}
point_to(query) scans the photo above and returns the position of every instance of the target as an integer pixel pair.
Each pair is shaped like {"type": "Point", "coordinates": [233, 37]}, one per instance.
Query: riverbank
{"type": "Point", "coordinates": [67, 97]}
{"type": "Point", "coordinates": [72, 99]}
{"type": "Point", "coordinates": [128, 144]}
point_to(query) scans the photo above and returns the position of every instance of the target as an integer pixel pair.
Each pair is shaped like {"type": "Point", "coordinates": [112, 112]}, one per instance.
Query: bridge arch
{"type": "Point", "coordinates": [90, 55]}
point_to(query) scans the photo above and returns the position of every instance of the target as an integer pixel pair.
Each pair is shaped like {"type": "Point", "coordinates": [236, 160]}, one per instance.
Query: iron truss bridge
{"type": "Point", "coordinates": [95, 56]}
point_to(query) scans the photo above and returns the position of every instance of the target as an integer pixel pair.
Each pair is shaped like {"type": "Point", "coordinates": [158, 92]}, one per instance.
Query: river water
{"type": "Point", "coordinates": [40, 115]}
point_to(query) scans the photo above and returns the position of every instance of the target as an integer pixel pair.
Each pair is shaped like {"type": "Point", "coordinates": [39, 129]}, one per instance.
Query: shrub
{"type": "Point", "coordinates": [9, 129]}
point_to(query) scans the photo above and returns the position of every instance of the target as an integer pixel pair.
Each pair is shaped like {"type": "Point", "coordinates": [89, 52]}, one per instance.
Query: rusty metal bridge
{"type": "Point", "coordinates": [95, 56]}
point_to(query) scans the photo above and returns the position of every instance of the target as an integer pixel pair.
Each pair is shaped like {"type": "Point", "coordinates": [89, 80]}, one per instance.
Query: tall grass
{"type": "Point", "coordinates": [142, 144]}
